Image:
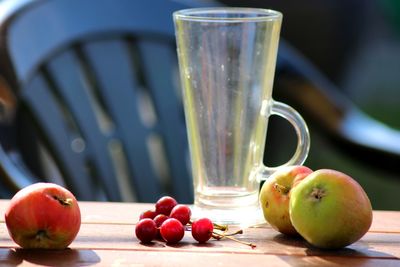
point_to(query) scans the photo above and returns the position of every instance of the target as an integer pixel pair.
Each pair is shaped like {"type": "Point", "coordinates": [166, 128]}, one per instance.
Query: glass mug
{"type": "Point", "coordinates": [227, 59]}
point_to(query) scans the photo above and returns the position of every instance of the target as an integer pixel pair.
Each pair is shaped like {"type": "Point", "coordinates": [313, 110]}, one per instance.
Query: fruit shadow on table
{"type": "Point", "coordinates": [45, 257]}
{"type": "Point", "coordinates": [358, 251]}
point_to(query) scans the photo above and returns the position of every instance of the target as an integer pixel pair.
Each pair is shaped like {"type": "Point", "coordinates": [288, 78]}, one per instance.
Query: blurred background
{"type": "Point", "coordinates": [353, 45]}
{"type": "Point", "coordinates": [356, 45]}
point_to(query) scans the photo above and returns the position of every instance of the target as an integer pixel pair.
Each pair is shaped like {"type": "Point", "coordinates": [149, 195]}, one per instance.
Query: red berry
{"type": "Point", "coordinates": [202, 230]}
{"type": "Point", "coordinates": [172, 231]}
{"type": "Point", "coordinates": [159, 219]}
{"type": "Point", "coordinates": [146, 230]}
{"type": "Point", "coordinates": [182, 213]}
{"type": "Point", "coordinates": [165, 204]}
{"type": "Point", "coordinates": [148, 214]}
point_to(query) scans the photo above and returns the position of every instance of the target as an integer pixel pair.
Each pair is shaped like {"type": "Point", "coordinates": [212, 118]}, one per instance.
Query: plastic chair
{"type": "Point", "coordinates": [365, 139]}
{"type": "Point", "coordinates": [98, 98]}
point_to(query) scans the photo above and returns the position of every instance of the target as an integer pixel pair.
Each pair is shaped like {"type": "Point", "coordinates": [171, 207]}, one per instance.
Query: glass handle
{"type": "Point", "coordinates": [303, 136]}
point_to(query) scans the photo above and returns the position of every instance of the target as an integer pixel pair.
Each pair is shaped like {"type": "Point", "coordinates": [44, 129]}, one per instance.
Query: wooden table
{"type": "Point", "coordinates": [107, 238]}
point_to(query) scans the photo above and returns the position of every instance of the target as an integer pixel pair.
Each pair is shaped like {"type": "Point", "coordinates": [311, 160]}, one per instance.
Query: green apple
{"type": "Point", "coordinates": [330, 209]}
{"type": "Point", "coordinates": [275, 196]}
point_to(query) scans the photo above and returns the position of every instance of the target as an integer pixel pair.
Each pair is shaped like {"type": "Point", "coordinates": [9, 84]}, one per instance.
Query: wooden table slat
{"type": "Point", "coordinates": [107, 238]}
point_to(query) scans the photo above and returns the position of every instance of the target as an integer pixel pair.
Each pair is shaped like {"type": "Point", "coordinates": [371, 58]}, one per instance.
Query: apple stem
{"type": "Point", "coordinates": [64, 202]}
{"type": "Point", "coordinates": [283, 189]}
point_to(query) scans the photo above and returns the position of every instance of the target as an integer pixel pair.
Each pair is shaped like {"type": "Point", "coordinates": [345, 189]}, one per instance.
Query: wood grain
{"type": "Point", "coordinates": [106, 238]}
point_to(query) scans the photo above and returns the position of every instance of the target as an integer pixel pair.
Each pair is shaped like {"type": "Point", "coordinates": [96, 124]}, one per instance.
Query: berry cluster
{"type": "Point", "coordinates": [169, 220]}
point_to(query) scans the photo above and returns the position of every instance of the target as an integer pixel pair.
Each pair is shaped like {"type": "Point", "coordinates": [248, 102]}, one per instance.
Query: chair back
{"type": "Point", "coordinates": [98, 82]}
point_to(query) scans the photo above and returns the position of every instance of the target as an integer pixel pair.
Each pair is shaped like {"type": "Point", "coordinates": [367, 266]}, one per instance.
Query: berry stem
{"type": "Point", "coordinates": [224, 229]}
{"type": "Point", "coordinates": [220, 227]}
{"type": "Point", "coordinates": [219, 236]}
{"type": "Point", "coordinates": [216, 226]}
{"type": "Point", "coordinates": [238, 232]}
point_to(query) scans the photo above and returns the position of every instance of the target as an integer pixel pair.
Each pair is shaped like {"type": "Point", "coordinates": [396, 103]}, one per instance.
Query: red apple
{"type": "Point", "coordinates": [275, 197]}
{"type": "Point", "coordinates": [43, 215]}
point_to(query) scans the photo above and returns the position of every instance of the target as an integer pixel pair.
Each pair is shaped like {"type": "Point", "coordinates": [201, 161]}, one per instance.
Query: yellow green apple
{"type": "Point", "coordinates": [330, 209]}
{"type": "Point", "coordinates": [275, 196]}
